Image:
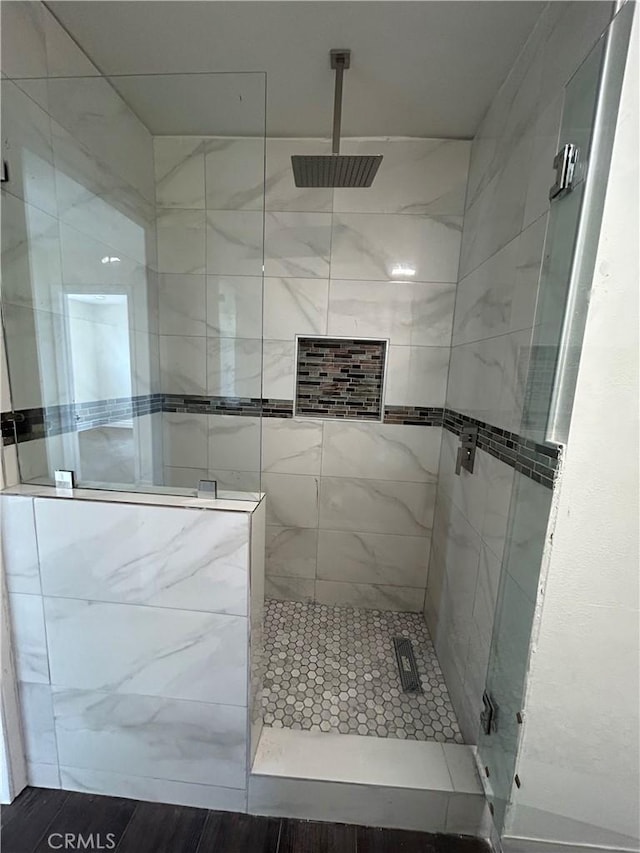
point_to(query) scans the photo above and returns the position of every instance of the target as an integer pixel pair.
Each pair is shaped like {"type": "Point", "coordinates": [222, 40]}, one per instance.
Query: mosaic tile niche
{"type": "Point", "coordinates": [340, 378]}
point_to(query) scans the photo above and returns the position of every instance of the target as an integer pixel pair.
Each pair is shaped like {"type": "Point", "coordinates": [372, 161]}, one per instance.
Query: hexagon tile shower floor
{"type": "Point", "coordinates": [333, 669]}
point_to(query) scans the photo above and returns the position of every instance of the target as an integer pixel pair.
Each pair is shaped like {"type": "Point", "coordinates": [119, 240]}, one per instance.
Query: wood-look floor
{"type": "Point", "coordinates": [38, 820]}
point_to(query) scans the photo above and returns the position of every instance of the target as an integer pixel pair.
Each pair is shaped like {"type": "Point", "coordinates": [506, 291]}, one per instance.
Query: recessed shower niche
{"type": "Point", "coordinates": [340, 378]}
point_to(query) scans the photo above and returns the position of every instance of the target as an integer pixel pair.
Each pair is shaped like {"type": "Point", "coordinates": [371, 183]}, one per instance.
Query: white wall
{"type": "Point", "coordinates": [579, 755]}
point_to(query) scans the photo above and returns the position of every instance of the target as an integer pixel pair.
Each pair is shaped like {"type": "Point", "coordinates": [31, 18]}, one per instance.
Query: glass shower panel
{"type": "Point", "coordinates": [589, 112]}
{"type": "Point", "coordinates": [132, 263]}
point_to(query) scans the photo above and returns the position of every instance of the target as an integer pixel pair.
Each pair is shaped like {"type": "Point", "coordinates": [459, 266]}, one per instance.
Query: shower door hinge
{"type": "Point", "coordinates": [4, 172]}
{"type": "Point", "coordinates": [565, 165]}
{"type": "Point", "coordinates": [489, 714]}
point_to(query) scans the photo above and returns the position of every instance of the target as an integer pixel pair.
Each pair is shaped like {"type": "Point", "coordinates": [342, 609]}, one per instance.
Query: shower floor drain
{"type": "Point", "coordinates": [407, 666]}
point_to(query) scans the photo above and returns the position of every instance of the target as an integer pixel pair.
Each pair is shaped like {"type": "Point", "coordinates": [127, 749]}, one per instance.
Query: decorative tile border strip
{"type": "Point", "coordinates": [193, 404]}
{"type": "Point", "coordinates": [414, 415]}
{"type": "Point", "coordinates": [536, 461]}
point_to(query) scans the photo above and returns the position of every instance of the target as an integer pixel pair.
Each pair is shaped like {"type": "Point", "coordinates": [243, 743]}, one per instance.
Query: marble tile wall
{"type": "Point", "coordinates": [133, 658]}
{"type": "Point", "coordinates": [350, 507]}
{"type": "Point", "coordinates": [501, 260]}
{"type": "Point", "coordinates": [81, 189]}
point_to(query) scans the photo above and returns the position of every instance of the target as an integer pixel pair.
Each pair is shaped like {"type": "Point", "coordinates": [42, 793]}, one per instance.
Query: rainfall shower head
{"type": "Point", "coordinates": [336, 170]}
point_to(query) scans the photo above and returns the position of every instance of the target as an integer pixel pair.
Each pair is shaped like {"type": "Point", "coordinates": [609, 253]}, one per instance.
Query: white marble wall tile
{"type": "Point", "coordinates": [484, 298]}
{"type": "Point", "coordinates": [234, 306]}
{"type": "Point", "coordinates": [82, 262]}
{"type": "Point", "coordinates": [10, 474]}
{"type": "Point", "coordinates": [29, 638]}
{"type": "Point", "coordinates": [417, 376]}
{"type": "Point", "coordinates": [415, 176]}
{"type": "Point", "coordinates": [477, 377]}
{"type": "Point", "coordinates": [23, 354]}
{"type": "Point", "coordinates": [35, 463]}
{"type": "Point", "coordinates": [180, 654]}
{"type": "Point", "coordinates": [571, 37]}
{"type": "Point", "coordinates": [291, 446]}
{"type": "Point", "coordinates": [179, 171]}
{"type": "Point", "coordinates": [295, 306]}
{"type": "Point", "coordinates": [370, 246]}
{"type": "Point", "coordinates": [278, 370]}
{"type": "Point", "coordinates": [159, 556]}
{"type": "Point", "coordinates": [486, 595]}
{"type": "Point", "coordinates": [289, 589]}
{"type": "Point", "coordinates": [19, 545]}
{"type": "Point", "coordinates": [467, 491]}
{"type": "Point", "coordinates": [234, 443]}
{"type": "Point", "coordinates": [516, 357]}
{"type": "Point", "coordinates": [292, 499]}
{"type": "Point", "coordinates": [151, 736]}
{"type": "Point", "coordinates": [545, 146]}
{"type": "Point", "coordinates": [234, 242]}
{"type": "Point", "coordinates": [184, 440]}
{"type": "Point", "coordinates": [150, 790]}
{"type": "Point", "coordinates": [499, 478]}
{"type": "Point", "coordinates": [530, 265]}
{"type": "Point", "coordinates": [527, 533]}
{"type": "Point", "coordinates": [409, 314]}
{"type": "Point", "coordinates": [26, 142]}
{"type": "Point", "coordinates": [381, 452]}
{"type": "Point", "coordinates": [236, 485]}
{"type": "Point", "coordinates": [281, 191]}
{"type": "Point", "coordinates": [376, 506]}
{"type": "Point", "coordinates": [234, 367]}
{"type": "Point", "coordinates": [100, 120]}
{"type": "Point", "coordinates": [373, 558]}
{"type": "Point", "coordinates": [297, 244]}
{"type": "Point", "coordinates": [183, 364]}
{"type": "Point", "coordinates": [23, 40]}
{"type": "Point", "coordinates": [184, 478]}
{"type": "Point", "coordinates": [461, 557]}
{"type": "Point", "coordinates": [181, 238]}
{"type": "Point", "coordinates": [496, 216]}
{"type": "Point", "coordinates": [369, 596]}
{"type": "Point", "coordinates": [291, 551]}
{"type": "Point", "coordinates": [98, 202]}
{"type": "Point", "coordinates": [235, 173]}
{"type": "Point", "coordinates": [31, 268]}
{"type": "Point", "coordinates": [37, 723]}
{"type": "Point", "coordinates": [182, 304]}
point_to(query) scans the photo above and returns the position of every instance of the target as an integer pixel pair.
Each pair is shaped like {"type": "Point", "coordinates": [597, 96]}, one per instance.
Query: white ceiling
{"type": "Point", "coordinates": [420, 68]}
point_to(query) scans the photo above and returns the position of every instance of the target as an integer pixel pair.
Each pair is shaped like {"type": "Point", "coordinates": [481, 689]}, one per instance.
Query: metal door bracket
{"type": "Point", "coordinates": [565, 165]}
{"type": "Point", "coordinates": [489, 714]}
{"type": "Point", "coordinates": [4, 172]}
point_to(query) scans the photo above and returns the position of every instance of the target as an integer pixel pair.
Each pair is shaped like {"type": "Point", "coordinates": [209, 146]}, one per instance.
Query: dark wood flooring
{"type": "Point", "coordinates": [40, 820]}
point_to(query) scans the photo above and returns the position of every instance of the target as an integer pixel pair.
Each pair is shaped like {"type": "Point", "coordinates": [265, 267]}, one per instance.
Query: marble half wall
{"type": "Point", "coordinates": [134, 641]}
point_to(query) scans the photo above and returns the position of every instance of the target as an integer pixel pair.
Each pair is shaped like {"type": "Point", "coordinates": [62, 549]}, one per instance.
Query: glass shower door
{"type": "Point", "coordinates": [589, 112]}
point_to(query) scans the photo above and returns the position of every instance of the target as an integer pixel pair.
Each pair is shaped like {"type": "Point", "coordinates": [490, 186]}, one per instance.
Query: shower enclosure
{"type": "Point", "coordinates": [132, 261]}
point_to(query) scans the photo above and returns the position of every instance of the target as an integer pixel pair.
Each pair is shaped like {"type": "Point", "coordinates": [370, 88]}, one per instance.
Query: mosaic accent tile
{"type": "Point", "coordinates": [340, 378]}
{"type": "Point", "coordinates": [333, 669]}
{"type": "Point", "coordinates": [539, 462]}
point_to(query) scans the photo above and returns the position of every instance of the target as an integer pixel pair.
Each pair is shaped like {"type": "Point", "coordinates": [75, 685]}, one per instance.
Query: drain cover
{"type": "Point", "coordinates": [407, 666]}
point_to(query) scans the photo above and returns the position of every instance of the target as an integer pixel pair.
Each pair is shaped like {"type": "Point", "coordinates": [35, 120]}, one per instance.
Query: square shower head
{"type": "Point", "coordinates": [335, 170]}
